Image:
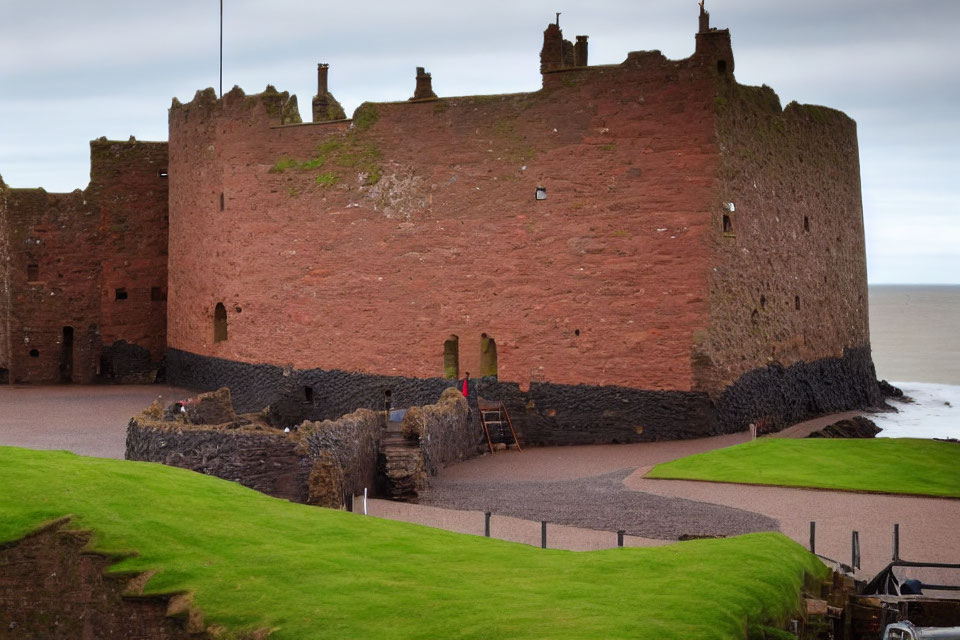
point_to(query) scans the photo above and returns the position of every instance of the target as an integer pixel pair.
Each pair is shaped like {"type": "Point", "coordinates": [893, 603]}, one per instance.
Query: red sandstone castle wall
{"type": "Point", "coordinates": [789, 282]}
{"type": "Point", "coordinates": [68, 254]}
{"type": "Point", "coordinates": [604, 282]}
{"type": "Point", "coordinates": [52, 232]}
{"type": "Point", "coordinates": [131, 202]}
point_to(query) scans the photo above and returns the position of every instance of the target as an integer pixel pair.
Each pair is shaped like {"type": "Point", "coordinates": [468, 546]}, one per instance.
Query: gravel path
{"type": "Point", "coordinates": [599, 502]}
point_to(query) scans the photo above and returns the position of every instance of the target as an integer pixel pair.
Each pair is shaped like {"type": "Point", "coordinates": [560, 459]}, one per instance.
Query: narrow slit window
{"type": "Point", "coordinates": [451, 358]}
{"type": "Point", "coordinates": [33, 272]}
{"type": "Point", "coordinates": [308, 394]}
{"type": "Point", "coordinates": [796, 302]}
{"type": "Point", "coordinates": [806, 224]}
{"type": "Point", "coordinates": [488, 356]}
{"type": "Point", "coordinates": [219, 323]}
{"type": "Point", "coordinates": [727, 225]}
{"type": "Point", "coordinates": [721, 66]}
{"type": "Point", "coordinates": [223, 202]}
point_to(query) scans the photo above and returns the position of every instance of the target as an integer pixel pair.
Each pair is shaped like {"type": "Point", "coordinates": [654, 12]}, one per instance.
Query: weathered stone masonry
{"type": "Point", "coordinates": [84, 273]}
{"type": "Point", "coordinates": [651, 250]}
{"type": "Point", "coordinates": [638, 251]}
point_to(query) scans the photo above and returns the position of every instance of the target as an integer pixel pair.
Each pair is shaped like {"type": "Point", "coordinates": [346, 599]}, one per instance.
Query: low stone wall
{"type": "Point", "coordinates": [344, 452]}
{"type": "Point", "coordinates": [51, 586]}
{"type": "Point", "coordinates": [444, 432]}
{"type": "Point", "coordinates": [321, 463]}
{"type": "Point", "coordinates": [245, 449]}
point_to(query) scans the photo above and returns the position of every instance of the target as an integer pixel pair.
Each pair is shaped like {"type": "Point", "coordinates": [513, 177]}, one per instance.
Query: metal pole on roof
{"type": "Point", "coordinates": [221, 48]}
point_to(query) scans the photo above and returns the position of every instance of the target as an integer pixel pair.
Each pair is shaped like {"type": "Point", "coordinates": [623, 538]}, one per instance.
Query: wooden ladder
{"type": "Point", "coordinates": [494, 414]}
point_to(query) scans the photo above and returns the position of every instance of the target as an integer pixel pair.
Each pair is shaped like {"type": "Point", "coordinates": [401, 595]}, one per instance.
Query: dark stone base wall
{"type": "Point", "coordinates": [780, 396]}
{"type": "Point", "coordinates": [551, 414]}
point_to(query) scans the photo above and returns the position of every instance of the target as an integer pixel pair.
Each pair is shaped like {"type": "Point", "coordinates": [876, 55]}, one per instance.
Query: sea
{"type": "Point", "coordinates": [915, 335]}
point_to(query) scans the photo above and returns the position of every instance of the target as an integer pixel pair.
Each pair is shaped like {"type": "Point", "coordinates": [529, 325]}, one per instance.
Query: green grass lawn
{"type": "Point", "coordinates": [886, 465]}
{"type": "Point", "coordinates": [253, 561]}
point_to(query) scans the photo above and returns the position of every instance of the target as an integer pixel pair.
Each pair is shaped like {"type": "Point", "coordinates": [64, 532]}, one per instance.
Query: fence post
{"type": "Point", "coordinates": [620, 533]}
{"type": "Point", "coordinates": [486, 524]}
{"type": "Point", "coordinates": [896, 542]}
{"type": "Point", "coordinates": [813, 537]}
{"type": "Point", "coordinates": [855, 550]}
{"type": "Point", "coordinates": [543, 534]}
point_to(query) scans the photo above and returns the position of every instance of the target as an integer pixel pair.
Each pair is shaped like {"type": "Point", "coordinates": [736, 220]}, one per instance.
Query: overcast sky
{"type": "Point", "coordinates": [72, 71]}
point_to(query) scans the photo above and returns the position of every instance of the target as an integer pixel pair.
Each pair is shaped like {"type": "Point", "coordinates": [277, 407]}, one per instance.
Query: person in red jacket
{"type": "Point", "coordinates": [465, 385]}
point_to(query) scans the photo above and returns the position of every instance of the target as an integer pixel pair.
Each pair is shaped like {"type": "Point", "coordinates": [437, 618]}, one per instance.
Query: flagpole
{"type": "Point", "coordinates": [221, 48]}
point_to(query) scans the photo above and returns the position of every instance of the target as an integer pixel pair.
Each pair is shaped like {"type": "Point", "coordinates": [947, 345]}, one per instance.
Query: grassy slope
{"type": "Point", "coordinates": [887, 465]}
{"type": "Point", "coordinates": [253, 561]}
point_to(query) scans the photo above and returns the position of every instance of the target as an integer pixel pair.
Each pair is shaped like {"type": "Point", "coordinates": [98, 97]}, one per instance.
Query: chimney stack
{"type": "Point", "coordinates": [424, 89]}
{"type": "Point", "coordinates": [322, 78]}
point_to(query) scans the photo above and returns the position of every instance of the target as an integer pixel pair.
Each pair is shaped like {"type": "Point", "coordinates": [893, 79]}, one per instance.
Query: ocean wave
{"type": "Point", "coordinates": [934, 412]}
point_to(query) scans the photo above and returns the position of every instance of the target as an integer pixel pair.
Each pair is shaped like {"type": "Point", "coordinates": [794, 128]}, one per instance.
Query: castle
{"type": "Point", "coordinates": [640, 251]}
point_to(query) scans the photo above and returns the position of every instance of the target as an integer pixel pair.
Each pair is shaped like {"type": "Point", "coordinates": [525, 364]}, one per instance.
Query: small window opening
{"type": "Point", "coordinates": [488, 356]}
{"type": "Point", "coordinates": [120, 294]}
{"type": "Point", "coordinates": [755, 317]}
{"type": "Point", "coordinates": [541, 193]}
{"type": "Point", "coordinates": [806, 224]}
{"type": "Point", "coordinates": [66, 355]}
{"type": "Point", "coordinates": [157, 294]}
{"type": "Point", "coordinates": [576, 332]}
{"type": "Point", "coordinates": [222, 202]}
{"type": "Point", "coordinates": [34, 353]}
{"type": "Point", "coordinates": [721, 66]}
{"type": "Point", "coordinates": [727, 225]}
{"type": "Point", "coordinates": [451, 358]}
{"type": "Point", "coordinates": [308, 395]}
{"type": "Point", "coordinates": [4, 375]}
{"type": "Point", "coordinates": [219, 323]}
{"type": "Point", "coordinates": [763, 302]}
{"type": "Point", "coordinates": [796, 302]}
{"type": "Point", "coordinates": [33, 272]}
{"type": "Point", "coordinates": [161, 173]}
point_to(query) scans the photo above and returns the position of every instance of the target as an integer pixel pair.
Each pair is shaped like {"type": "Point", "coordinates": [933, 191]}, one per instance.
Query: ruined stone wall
{"type": "Point", "coordinates": [445, 433]}
{"type": "Point", "coordinates": [789, 284]}
{"type": "Point", "coordinates": [267, 461]}
{"type": "Point", "coordinates": [365, 249]}
{"type": "Point", "coordinates": [344, 455]}
{"type": "Point", "coordinates": [92, 263]}
{"type": "Point", "coordinates": [129, 189]}
{"type": "Point", "coordinates": [54, 283]}
{"type": "Point", "coordinates": [50, 587]}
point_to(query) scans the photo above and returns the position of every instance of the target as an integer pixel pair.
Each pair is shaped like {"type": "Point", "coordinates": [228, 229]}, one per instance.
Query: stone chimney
{"type": "Point", "coordinates": [551, 55]}
{"type": "Point", "coordinates": [580, 52]}
{"type": "Point", "coordinates": [424, 90]}
{"type": "Point", "coordinates": [704, 19]}
{"type": "Point", "coordinates": [325, 106]}
{"type": "Point", "coordinates": [322, 78]}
